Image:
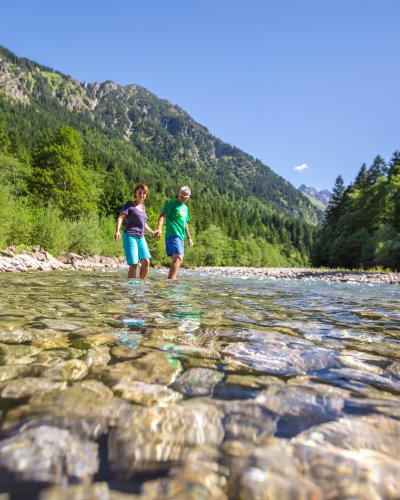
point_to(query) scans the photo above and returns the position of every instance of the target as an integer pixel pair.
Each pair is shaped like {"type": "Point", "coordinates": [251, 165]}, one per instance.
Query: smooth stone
{"type": "Point", "coordinates": [374, 432]}
{"type": "Point", "coordinates": [17, 336]}
{"type": "Point", "coordinates": [73, 369]}
{"type": "Point", "coordinates": [246, 421]}
{"type": "Point", "coordinates": [97, 356]}
{"type": "Point", "coordinates": [28, 386]}
{"type": "Point", "coordinates": [146, 394]}
{"type": "Point", "coordinates": [18, 354]}
{"type": "Point", "coordinates": [95, 491]}
{"type": "Point", "coordinates": [8, 372]}
{"type": "Point", "coordinates": [124, 353]}
{"type": "Point", "coordinates": [301, 407]}
{"type": "Point", "coordinates": [197, 382]}
{"type": "Point", "coordinates": [90, 341]}
{"type": "Point", "coordinates": [49, 455]}
{"type": "Point", "coordinates": [89, 401]}
{"type": "Point", "coordinates": [153, 368]}
{"type": "Point", "coordinates": [155, 438]}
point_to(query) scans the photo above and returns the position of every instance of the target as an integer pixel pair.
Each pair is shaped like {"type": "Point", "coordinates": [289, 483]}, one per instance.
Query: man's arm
{"type": "Point", "coordinates": [161, 219]}
{"type": "Point", "coordinates": [188, 233]}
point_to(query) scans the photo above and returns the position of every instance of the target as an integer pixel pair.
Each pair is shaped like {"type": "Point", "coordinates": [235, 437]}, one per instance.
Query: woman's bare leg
{"type": "Point", "coordinates": [144, 268]}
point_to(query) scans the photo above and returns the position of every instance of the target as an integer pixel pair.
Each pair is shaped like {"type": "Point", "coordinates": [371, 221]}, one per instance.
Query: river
{"type": "Point", "coordinates": [208, 387]}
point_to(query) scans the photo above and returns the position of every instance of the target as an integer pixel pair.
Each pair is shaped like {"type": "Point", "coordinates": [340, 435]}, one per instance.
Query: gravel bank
{"type": "Point", "coordinates": [298, 273]}
{"type": "Point", "coordinates": [13, 260]}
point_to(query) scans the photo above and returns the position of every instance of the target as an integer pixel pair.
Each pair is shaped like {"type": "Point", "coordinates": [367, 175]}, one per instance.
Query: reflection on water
{"type": "Point", "coordinates": [208, 387]}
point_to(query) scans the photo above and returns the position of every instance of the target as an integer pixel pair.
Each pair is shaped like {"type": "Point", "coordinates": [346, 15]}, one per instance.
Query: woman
{"type": "Point", "coordinates": [135, 245]}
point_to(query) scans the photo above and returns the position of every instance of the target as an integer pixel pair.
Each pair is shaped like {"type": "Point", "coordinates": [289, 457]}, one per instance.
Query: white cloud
{"type": "Point", "coordinates": [302, 167]}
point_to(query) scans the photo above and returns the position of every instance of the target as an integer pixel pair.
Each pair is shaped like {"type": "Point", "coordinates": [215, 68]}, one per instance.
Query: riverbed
{"type": "Point", "coordinates": [214, 386]}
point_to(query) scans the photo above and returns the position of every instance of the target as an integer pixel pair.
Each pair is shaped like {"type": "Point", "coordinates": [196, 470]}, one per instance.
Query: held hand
{"type": "Point", "coordinates": [190, 242]}
{"type": "Point", "coordinates": [117, 236]}
{"type": "Point", "coordinates": [157, 233]}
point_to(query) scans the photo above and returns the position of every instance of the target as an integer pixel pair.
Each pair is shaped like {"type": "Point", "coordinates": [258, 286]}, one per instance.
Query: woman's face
{"type": "Point", "coordinates": [140, 194]}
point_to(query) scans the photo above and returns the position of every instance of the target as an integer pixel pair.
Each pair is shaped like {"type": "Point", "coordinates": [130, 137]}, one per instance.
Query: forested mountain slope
{"type": "Point", "coordinates": [126, 135]}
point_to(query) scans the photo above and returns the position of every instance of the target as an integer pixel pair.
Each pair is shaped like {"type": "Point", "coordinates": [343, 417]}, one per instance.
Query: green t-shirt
{"type": "Point", "coordinates": [177, 216]}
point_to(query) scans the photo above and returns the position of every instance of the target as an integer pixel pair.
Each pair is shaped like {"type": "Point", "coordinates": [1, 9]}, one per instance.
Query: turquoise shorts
{"type": "Point", "coordinates": [135, 249]}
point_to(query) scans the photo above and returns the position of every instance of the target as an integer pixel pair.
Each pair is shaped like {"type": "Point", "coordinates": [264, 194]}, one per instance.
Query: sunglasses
{"type": "Point", "coordinates": [183, 196]}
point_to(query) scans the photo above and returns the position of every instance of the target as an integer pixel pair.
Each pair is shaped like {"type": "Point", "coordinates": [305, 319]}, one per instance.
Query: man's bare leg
{"type": "Point", "coordinates": [132, 271]}
{"type": "Point", "coordinates": [144, 268]}
{"type": "Point", "coordinates": [177, 260]}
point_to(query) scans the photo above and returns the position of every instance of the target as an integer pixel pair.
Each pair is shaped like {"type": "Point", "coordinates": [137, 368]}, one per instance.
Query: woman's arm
{"type": "Point", "coordinates": [120, 218]}
{"type": "Point", "coordinates": [150, 230]}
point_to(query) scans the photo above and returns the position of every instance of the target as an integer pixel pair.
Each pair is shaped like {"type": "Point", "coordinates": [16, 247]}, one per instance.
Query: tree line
{"type": "Point", "coordinates": [362, 222]}
{"type": "Point", "coordinates": [62, 188]}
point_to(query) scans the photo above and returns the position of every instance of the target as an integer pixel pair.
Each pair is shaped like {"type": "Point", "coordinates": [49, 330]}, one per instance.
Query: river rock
{"type": "Point", "coordinates": [153, 368]}
{"type": "Point", "coordinates": [280, 354]}
{"type": "Point", "coordinates": [260, 484]}
{"type": "Point", "coordinates": [8, 372]}
{"type": "Point", "coordinates": [73, 369]}
{"type": "Point", "coordinates": [246, 421]}
{"type": "Point", "coordinates": [49, 455]}
{"type": "Point", "coordinates": [98, 356]}
{"type": "Point", "coordinates": [90, 341]}
{"type": "Point", "coordinates": [146, 394]}
{"type": "Point", "coordinates": [28, 386]}
{"type": "Point", "coordinates": [374, 432]}
{"type": "Point", "coordinates": [15, 336]}
{"type": "Point", "coordinates": [18, 354]}
{"type": "Point", "coordinates": [124, 352]}
{"type": "Point", "coordinates": [89, 401]}
{"type": "Point", "coordinates": [156, 438]}
{"type": "Point", "coordinates": [198, 382]}
{"type": "Point", "coordinates": [301, 407]}
{"type": "Point", "coordinates": [95, 491]}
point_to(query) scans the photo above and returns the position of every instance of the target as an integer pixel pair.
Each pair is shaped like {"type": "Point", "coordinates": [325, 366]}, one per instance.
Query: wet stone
{"type": "Point", "coordinates": [8, 372]}
{"type": "Point", "coordinates": [27, 387]}
{"type": "Point", "coordinates": [146, 394]}
{"type": "Point", "coordinates": [155, 438]}
{"type": "Point", "coordinates": [95, 491]}
{"type": "Point", "coordinates": [73, 369]}
{"type": "Point", "coordinates": [375, 432]}
{"type": "Point", "coordinates": [246, 421]}
{"type": "Point", "coordinates": [90, 341]}
{"type": "Point", "coordinates": [49, 455]}
{"type": "Point", "coordinates": [301, 407]}
{"type": "Point", "coordinates": [18, 354]}
{"type": "Point", "coordinates": [153, 368]}
{"type": "Point", "coordinates": [90, 401]}
{"type": "Point", "coordinates": [15, 336]}
{"type": "Point", "coordinates": [97, 356]}
{"type": "Point", "coordinates": [198, 382]}
{"type": "Point", "coordinates": [124, 353]}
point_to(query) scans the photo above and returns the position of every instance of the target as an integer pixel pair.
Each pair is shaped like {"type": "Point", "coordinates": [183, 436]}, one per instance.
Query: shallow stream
{"type": "Point", "coordinates": [208, 387]}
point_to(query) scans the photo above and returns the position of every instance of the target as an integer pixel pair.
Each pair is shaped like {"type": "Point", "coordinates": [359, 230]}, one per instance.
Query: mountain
{"type": "Point", "coordinates": [323, 196]}
{"type": "Point", "coordinates": [130, 135]}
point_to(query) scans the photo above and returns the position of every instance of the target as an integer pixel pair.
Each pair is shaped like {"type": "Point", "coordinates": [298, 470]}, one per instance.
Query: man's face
{"type": "Point", "coordinates": [183, 196]}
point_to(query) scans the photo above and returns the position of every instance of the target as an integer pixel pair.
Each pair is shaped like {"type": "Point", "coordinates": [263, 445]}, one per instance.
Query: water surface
{"type": "Point", "coordinates": [208, 387]}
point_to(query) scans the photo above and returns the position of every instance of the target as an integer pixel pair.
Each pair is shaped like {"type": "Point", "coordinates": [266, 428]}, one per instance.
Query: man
{"type": "Point", "coordinates": [176, 214]}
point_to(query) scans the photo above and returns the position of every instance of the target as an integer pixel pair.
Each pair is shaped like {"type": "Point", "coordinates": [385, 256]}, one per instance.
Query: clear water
{"type": "Point", "coordinates": [292, 367]}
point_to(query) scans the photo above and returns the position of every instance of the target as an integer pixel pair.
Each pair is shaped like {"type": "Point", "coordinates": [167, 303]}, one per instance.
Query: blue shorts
{"type": "Point", "coordinates": [173, 245]}
{"type": "Point", "coordinates": [135, 249]}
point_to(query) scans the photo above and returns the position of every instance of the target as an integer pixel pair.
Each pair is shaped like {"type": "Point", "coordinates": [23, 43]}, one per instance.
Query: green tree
{"type": "Point", "coordinates": [59, 176]}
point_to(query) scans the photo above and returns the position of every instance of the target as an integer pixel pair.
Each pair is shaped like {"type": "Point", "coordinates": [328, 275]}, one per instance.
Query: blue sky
{"type": "Point", "coordinates": [312, 84]}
